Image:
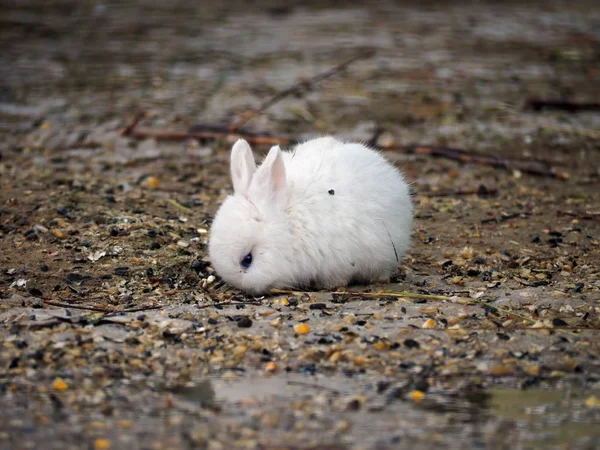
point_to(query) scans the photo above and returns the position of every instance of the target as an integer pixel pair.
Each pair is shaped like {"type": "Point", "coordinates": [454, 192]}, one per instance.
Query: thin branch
{"type": "Point", "coordinates": [296, 89]}
{"type": "Point", "coordinates": [481, 192]}
{"type": "Point", "coordinates": [82, 307]}
{"type": "Point", "coordinates": [100, 309]}
{"type": "Point", "coordinates": [167, 135]}
{"type": "Point", "coordinates": [313, 386]}
{"type": "Point", "coordinates": [229, 304]}
{"type": "Point", "coordinates": [134, 121]}
{"type": "Point", "coordinates": [177, 205]}
{"type": "Point", "coordinates": [587, 215]}
{"type": "Point", "coordinates": [572, 107]}
{"type": "Point", "coordinates": [141, 308]}
{"type": "Point", "coordinates": [464, 156]}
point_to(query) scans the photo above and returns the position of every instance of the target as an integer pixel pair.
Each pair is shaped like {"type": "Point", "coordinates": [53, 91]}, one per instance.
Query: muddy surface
{"type": "Point", "coordinates": [115, 331]}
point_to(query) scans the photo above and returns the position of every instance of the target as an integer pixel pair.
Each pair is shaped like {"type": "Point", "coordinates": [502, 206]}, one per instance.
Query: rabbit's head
{"type": "Point", "coordinates": [250, 241]}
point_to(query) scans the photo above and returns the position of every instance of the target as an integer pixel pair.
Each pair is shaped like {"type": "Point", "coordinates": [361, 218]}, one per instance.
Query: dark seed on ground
{"type": "Point", "coordinates": [559, 322]}
{"type": "Point", "coordinates": [536, 240]}
{"type": "Point", "coordinates": [478, 260]}
{"type": "Point", "coordinates": [244, 322]}
{"type": "Point", "coordinates": [35, 292]}
{"type": "Point", "coordinates": [554, 242]}
{"type": "Point", "coordinates": [121, 271]}
{"type": "Point", "coordinates": [410, 343]}
{"type": "Point", "coordinates": [43, 267]}
{"type": "Point", "coordinates": [318, 306]}
{"type": "Point", "coordinates": [446, 264]}
{"type": "Point", "coordinates": [331, 192]}
{"type": "Point", "coordinates": [154, 246]}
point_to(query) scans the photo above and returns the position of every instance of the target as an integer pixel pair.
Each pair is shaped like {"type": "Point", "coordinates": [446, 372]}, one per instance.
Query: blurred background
{"type": "Point", "coordinates": [441, 71]}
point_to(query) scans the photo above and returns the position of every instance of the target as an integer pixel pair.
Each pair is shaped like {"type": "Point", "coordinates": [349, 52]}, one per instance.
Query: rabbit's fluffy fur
{"type": "Point", "coordinates": [323, 215]}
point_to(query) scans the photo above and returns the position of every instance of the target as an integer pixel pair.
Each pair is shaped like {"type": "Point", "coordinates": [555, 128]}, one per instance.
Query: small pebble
{"type": "Point", "coordinates": [102, 444]}
{"type": "Point", "coordinates": [244, 322]}
{"type": "Point", "coordinates": [416, 396]}
{"type": "Point", "coordinates": [59, 384]}
{"type": "Point", "coordinates": [301, 328]}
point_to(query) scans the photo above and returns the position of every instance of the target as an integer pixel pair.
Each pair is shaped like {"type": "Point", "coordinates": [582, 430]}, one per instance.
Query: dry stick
{"type": "Point", "coordinates": [572, 107]}
{"type": "Point", "coordinates": [403, 295]}
{"type": "Point", "coordinates": [461, 192]}
{"type": "Point", "coordinates": [461, 155]}
{"type": "Point", "coordinates": [230, 304]}
{"type": "Point", "coordinates": [450, 153]}
{"type": "Point", "coordinates": [297, 88]}
{"type": "Point", "coordinates": [99, 309]}
{"type": "Point", "coordinates": [313, 386]}
{"type": "Point", "coordinates": [167, 135]}
{"type": "Point", "coordinates": [588, 215]}
{"type": "Point", "coordinates": [177, 205]}
{"type": "Point", "coordinates": [83, 307]}
{"type": "Point", "coordinates": [136, 119]}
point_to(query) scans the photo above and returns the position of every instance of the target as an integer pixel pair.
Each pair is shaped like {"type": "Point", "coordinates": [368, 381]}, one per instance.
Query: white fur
{"type": "Point", "coordinates": [300, 235]}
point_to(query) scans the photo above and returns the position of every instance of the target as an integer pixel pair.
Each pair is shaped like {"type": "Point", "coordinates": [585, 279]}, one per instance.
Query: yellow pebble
{"type": "Point", "coordinates": [592, 402]}
{"type": "Point", "coordinates": [59, 384]}
{"type": "Point", "coordinates": [101, 444]}
{"type": "Point", "coordinates": [271, 366]}
{"type": "Point", "coordinates": [416, 396]}
{"type": "Point", "coordinates": [285, 301]}
{"type": "Point", "coordinates": [125, 424]}
{"type": "Point", "coordinates": [429, 323]}
{"type": "Point", "coordinates": [379, 345]}
{"type": "Point", "coordinates": [152, 182]}
{"type": "Point", "coordinates": [301, 328]}
{"type": "Point", "coordinates": [57, 233]}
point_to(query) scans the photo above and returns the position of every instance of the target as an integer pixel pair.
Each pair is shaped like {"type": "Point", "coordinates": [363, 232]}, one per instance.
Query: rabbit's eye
{"type": "Point", "coordinates": [246, 261]}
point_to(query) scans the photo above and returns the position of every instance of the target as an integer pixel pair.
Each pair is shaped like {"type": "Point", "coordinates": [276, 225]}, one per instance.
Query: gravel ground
{"type": "Point", "coordinates": [117, 334]}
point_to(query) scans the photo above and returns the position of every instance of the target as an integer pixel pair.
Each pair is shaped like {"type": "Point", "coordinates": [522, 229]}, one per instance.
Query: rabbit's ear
{"type": "Point", "coordinates": [242, 166]}
{"type": "Point", "coordinates": [269, 182]}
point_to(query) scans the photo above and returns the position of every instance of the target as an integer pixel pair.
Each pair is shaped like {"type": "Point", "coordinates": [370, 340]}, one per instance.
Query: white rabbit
{"type": "Point", "coordinates": [324, 215]}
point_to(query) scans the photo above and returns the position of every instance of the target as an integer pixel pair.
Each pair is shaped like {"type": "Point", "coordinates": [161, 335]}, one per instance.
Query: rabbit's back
{"type": "Point", "coordinates": [349, 208]}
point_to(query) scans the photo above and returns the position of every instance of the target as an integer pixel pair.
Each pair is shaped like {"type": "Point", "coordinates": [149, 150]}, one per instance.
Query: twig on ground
{"type": "Point", "coordinates": [587, 215]}
{"type": "Point", "coordinates": [450, 153]}
{"type": "Point", "coordinates": [313, 386]}
{"type": "Point", "coordinates": [82, 307]}
{"type": "Point", "coordinates": [296, 89]}
{"type": "Point", "coordinates": [136, 119]}
{"type": "Point", "coordinates": [167, 135]}
{"type": "Point", "coordinates": [464, 156]}
{"type": "Point", "coordinates": [572, 107]}
{"type": "Point", "coordinates": [100, 309]}
{"type": "Point", "coordinates": [229, 304]}
{"type": "Point", "coordinates": [482, 191]}
{"type": "Point", "coordinates": [178, 205]}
